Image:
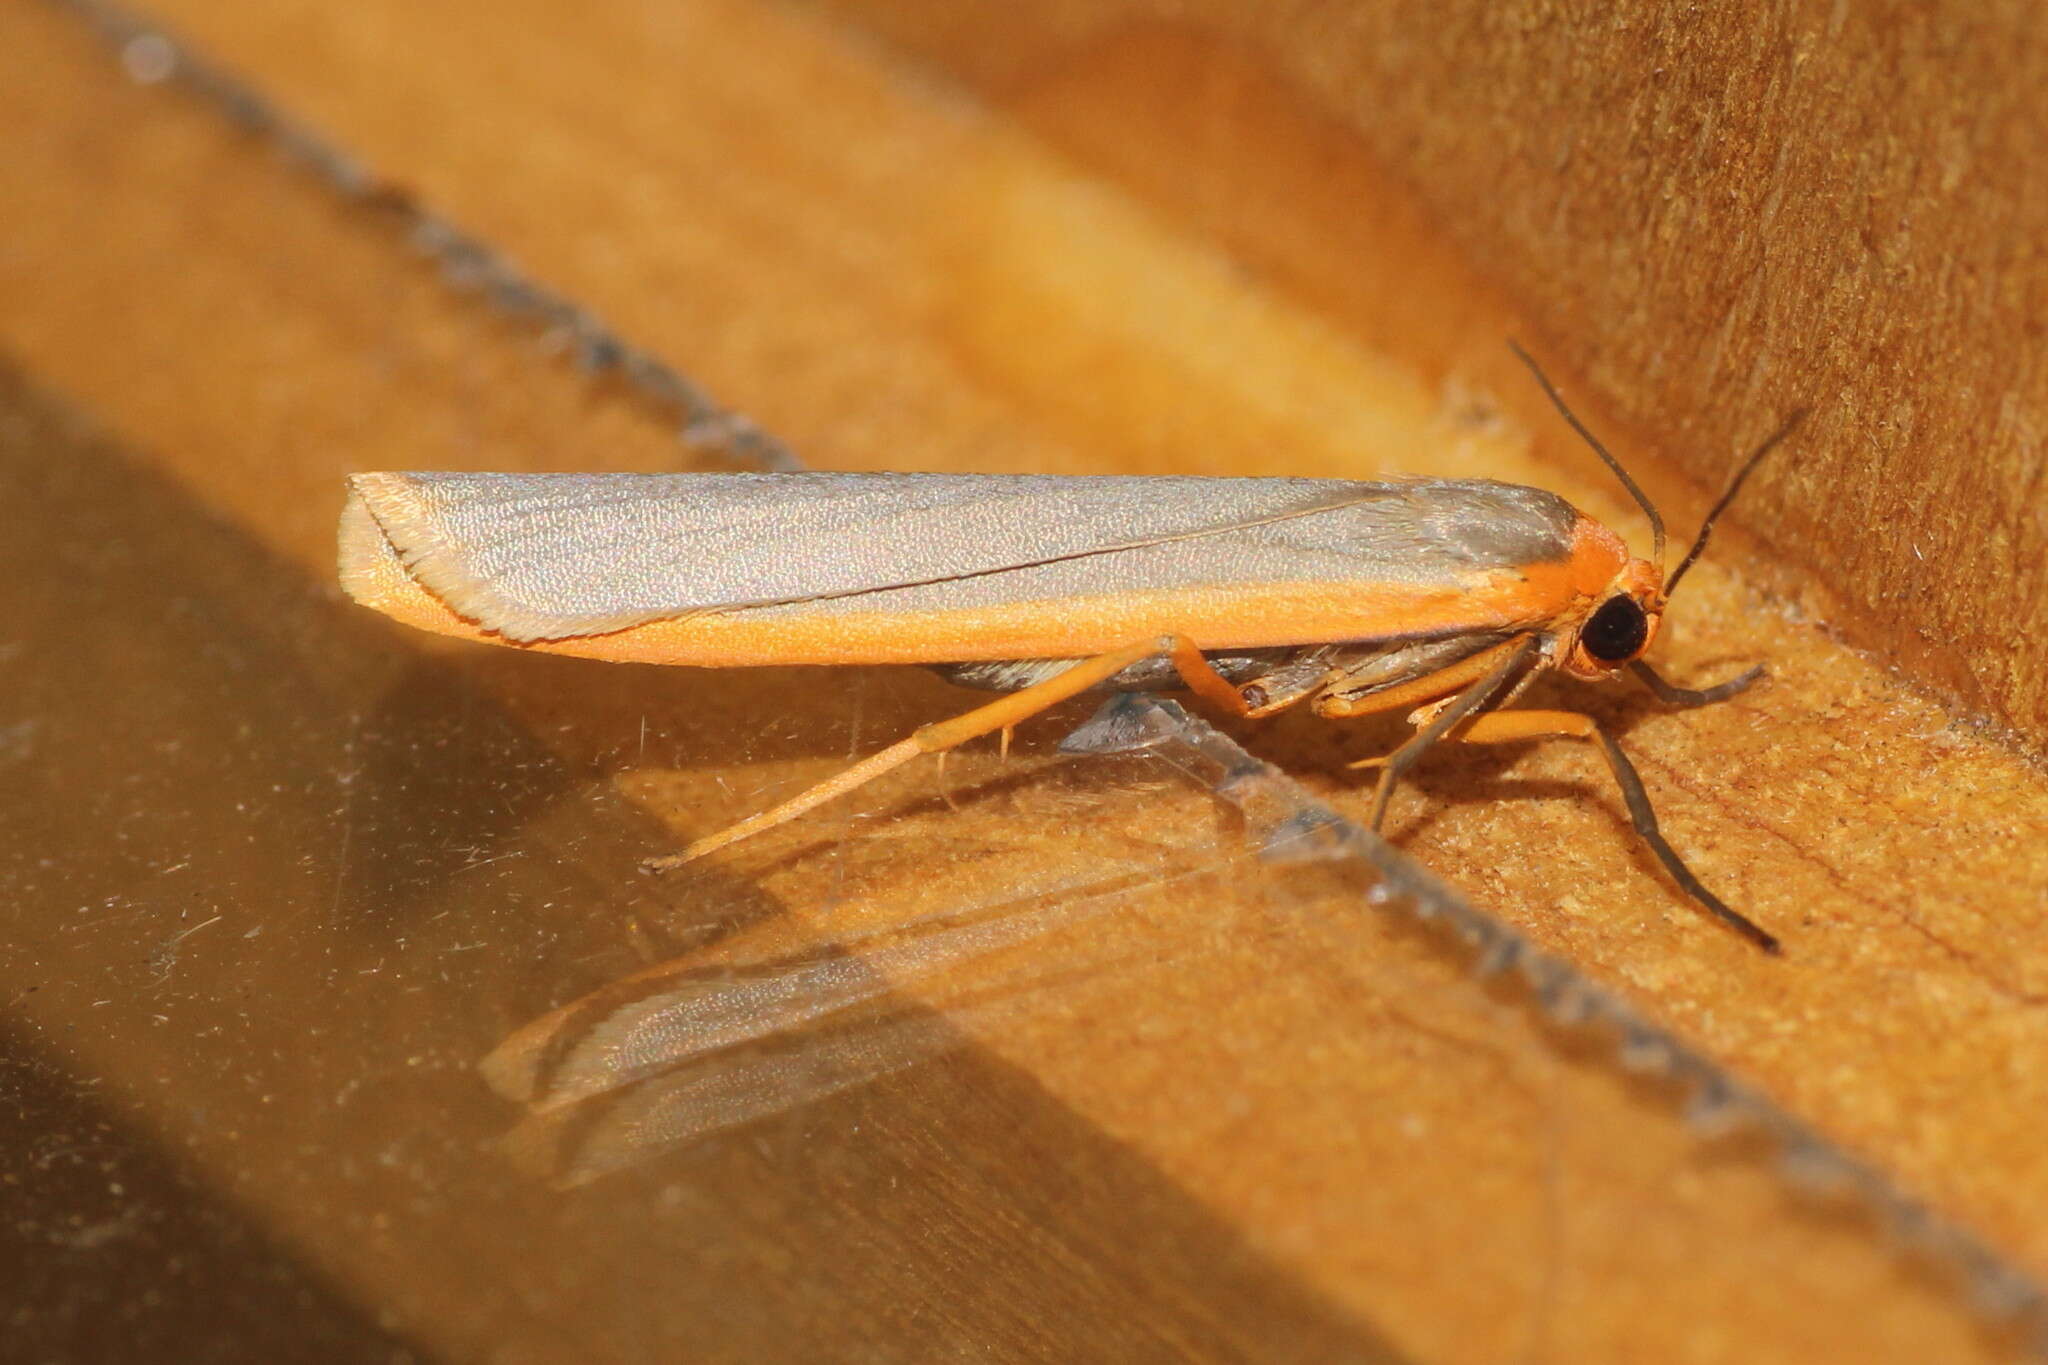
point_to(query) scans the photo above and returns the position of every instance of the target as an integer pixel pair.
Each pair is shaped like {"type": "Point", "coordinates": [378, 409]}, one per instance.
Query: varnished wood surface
{"type": "Point", "coordinates": [1273, 1127]}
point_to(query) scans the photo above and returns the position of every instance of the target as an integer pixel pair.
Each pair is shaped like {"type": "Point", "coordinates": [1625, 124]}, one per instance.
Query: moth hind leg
{"type": "Point", "coordinates": [1001, 714]}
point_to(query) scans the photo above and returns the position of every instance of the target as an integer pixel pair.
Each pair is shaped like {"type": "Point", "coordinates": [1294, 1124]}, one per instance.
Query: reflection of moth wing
{"type": "Point", "coordinates": [761, 1050]}
{"type": "Point", "coordinates": [700, 1095]}
{"type": "Point", "coordinates": [684, 1050]}
{"type": "Point", "coordinates": [680, 1010]}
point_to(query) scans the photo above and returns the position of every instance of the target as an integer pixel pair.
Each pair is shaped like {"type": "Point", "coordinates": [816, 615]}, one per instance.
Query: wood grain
{"type": "Point", "coordinates": [1709, 216]}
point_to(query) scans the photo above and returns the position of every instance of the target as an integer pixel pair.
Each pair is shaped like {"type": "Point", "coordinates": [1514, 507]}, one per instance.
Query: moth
{"type": "Point", "coordinates": [1440, 598]}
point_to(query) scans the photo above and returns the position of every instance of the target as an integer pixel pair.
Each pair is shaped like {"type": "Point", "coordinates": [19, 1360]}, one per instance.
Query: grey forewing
{"type": "Point", "coordinates": [542, 556]}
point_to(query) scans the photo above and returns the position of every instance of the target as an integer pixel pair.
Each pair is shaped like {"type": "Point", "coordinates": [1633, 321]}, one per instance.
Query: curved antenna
{"type": "Point", "coordinates": [1728, 495]}
{"type": "Point", "coordinates": [1634, 490]}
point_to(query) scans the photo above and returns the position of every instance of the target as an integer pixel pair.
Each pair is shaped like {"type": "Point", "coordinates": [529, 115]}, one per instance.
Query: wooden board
{"type": "Point", "coordinates": [1295, 1132]}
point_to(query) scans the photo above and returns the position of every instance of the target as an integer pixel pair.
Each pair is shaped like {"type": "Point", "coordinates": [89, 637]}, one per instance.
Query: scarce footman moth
{"type": "Point", "coordinates": [1443, 598]}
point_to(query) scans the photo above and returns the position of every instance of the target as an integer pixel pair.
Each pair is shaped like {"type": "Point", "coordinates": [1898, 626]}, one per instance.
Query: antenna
{"type": "Point", "coordinates": [1634, 491]}
{"type": "Point", "coordinates": [1728, 495]}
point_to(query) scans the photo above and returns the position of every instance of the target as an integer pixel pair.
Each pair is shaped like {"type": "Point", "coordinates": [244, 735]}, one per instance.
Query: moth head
{"type": "Point", "coordinates": [1618, 625]}
{"type": "Point", "coordinates": [1623, 621]}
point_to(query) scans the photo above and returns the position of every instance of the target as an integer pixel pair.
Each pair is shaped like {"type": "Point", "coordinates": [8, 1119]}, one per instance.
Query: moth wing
{"type": "Point", "coordinates": [549, 556]}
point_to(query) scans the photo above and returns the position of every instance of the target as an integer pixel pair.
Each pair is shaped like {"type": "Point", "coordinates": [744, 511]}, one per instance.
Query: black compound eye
{"type": "Point", "coordinates": [1616, 632]}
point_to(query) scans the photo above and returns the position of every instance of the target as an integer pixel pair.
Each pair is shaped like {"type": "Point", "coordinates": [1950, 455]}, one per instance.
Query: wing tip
{"type": "Point", "coordinates": [391, 530]}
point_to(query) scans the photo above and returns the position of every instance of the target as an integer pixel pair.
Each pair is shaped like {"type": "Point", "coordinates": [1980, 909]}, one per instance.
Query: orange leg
{"type": "Point", "coordinates": [1001, 714]}
{"type": "Point", "coordinates": [1446, 713]}
{"type": "Point", "coordinates": [1441, 686]}
{"type": "Point", "coordinates": [1504, 727]}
